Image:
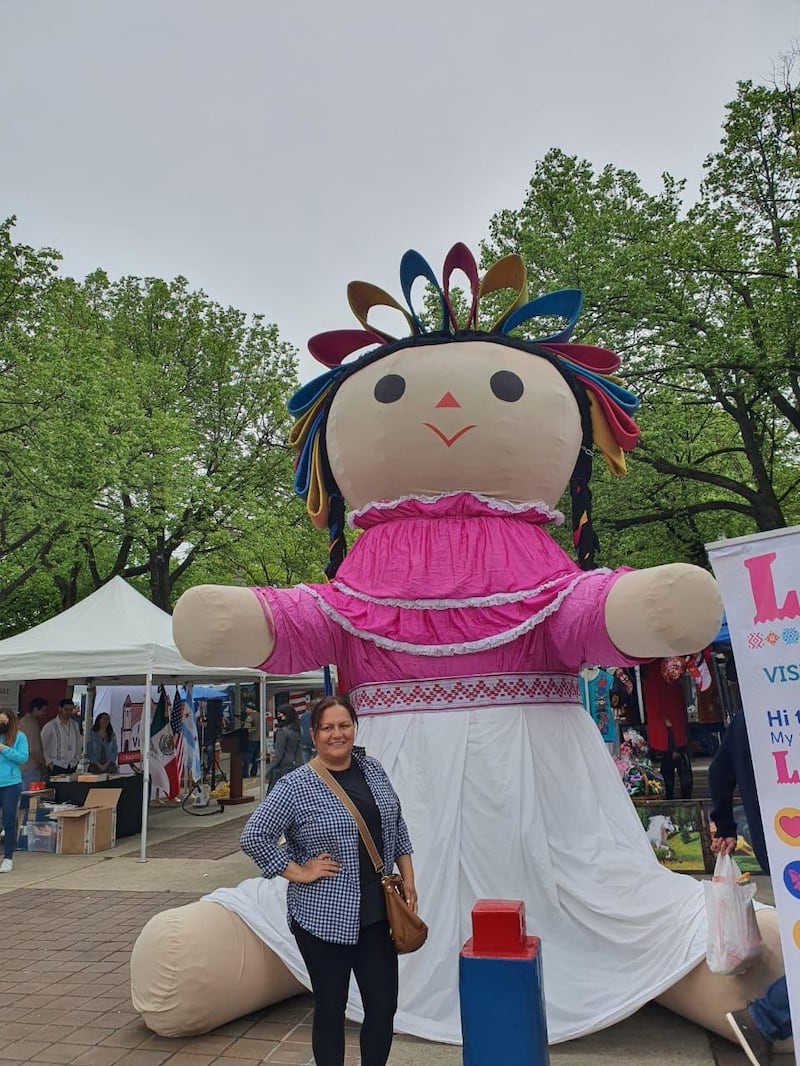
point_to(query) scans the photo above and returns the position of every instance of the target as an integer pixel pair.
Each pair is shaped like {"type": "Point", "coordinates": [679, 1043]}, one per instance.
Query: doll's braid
{"type": "Point", "coordinates": [583, 535]}
{"type": "Point", "coordinates": [337, 545]}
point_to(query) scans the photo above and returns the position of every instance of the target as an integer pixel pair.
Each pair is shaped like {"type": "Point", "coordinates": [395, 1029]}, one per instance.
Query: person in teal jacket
{"type": "Point", "coordinates": [13, 753]}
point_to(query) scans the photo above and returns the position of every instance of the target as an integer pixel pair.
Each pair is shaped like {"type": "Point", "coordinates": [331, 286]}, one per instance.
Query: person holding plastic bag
{"type": "Point", "coordinates": [766, 1019]}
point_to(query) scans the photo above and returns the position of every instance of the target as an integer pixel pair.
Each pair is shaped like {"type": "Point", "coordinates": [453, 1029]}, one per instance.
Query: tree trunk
{"type": "Point", "coordinates": [159, 575]}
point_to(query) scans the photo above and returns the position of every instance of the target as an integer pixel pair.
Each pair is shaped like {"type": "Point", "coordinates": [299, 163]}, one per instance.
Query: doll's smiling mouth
{"type": "Point", "coordinates": [449, 441]}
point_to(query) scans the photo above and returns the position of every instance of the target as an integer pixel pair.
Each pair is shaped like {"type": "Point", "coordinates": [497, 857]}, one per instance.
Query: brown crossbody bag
{"type": "Point", "coordinates": [408, 930]}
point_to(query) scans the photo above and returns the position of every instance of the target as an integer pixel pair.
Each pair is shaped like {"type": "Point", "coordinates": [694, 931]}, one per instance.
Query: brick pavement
{"type": "Point", "coordinates": [208, 843]}
{"type": "Point", "coordinates": [65, 998]}
{"type": "Point", "coordinates": [65, 991]}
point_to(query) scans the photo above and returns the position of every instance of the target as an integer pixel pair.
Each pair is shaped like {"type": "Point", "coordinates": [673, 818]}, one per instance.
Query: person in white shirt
{"type": "Point", "coordinates": [61, 740]}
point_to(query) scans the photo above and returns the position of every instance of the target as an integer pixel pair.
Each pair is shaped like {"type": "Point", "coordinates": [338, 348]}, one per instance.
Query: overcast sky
{"type": "Point", "coordinates": [271, 152]}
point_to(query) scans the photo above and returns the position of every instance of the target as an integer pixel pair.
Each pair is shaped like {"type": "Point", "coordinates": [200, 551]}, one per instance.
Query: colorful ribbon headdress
{"type": "Point", "coordinates": [611, 405]}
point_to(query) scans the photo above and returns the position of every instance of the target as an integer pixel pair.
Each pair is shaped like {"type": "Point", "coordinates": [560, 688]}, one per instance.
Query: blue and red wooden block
{"type": "Point", "coordinates": [500, 982]}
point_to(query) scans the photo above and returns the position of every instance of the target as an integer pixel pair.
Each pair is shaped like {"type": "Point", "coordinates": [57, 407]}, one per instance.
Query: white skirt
{"type": "Point", "coordinates": [518, 802]}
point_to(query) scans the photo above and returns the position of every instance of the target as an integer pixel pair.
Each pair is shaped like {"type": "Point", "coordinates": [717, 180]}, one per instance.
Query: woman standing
{"type": "Point", "coordinates": [13, 753]}
{"type": "Point", "coordinates": [335, 899]}
{"type": "Point", "coordinates": [101, 747]}
{"type": "Point", "coordinates": [287, 755]}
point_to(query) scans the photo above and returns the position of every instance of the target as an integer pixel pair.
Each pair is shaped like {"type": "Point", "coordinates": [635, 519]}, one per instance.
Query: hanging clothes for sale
{"type": "Point", "coordinates": [596, 684]}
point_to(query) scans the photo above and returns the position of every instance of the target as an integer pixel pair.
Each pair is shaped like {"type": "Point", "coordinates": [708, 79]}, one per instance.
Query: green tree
{"type": "Point", "coordinates": [39, 376]}
{"type": "Point", "coordinates": [159, 451]}
{"type": "Point", "coordinates": [196, 435]}
{"type": "Point", "coordinates": [702, 306]}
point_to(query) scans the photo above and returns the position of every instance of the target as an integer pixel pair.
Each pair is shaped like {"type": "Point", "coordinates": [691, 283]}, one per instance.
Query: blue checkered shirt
{"type": "Point", "coordinates": [303, 809]}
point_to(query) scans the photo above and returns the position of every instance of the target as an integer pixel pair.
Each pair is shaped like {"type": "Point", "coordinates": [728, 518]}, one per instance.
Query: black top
{"type": "Point", "coordinates": [352, 780]}
{"type": "Point", "coordinates": [732, 766]}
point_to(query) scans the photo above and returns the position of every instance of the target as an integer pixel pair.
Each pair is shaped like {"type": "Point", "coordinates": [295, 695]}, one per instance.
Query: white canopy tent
{"type": "Point", "coordinates": [118, 636]}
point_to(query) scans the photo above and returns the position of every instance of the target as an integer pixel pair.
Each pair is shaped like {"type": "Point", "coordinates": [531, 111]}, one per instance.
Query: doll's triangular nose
{"type": "Point", "coordinates": [448, 400]}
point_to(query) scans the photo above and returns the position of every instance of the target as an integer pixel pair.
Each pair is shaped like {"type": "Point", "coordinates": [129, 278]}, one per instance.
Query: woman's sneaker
{"type": "Point", "coordinates": [757, 1048]}
{"type": "Point", "coordinates": [6, 866]}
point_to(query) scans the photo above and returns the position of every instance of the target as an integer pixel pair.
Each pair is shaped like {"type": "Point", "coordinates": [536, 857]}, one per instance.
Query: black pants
{"type": "Point", "coordinates": [373, 960]}
{"type": "Point", "coordinates": [677, 759]}
{"type": "Point", "coordinates": [9, 805]}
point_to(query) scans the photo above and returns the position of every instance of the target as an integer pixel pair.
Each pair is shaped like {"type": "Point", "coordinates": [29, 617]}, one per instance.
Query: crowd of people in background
{"type": "Point", "coordinates": [31, 752]}
{"type": "Point", "coordinates": [38, 746]}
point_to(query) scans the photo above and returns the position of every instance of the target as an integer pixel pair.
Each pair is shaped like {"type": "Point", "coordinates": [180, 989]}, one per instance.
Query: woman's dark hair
{"type": "Point", "coordinates": [13, 727]}
{"type": "Point", "coordinates": [583, 535]}
{"type": "Point", "coordinates": [321, 706]}
{"type": "Point", "coordinates": [109, 729]}
{"type": "Point", "coordinates": [289, 715]}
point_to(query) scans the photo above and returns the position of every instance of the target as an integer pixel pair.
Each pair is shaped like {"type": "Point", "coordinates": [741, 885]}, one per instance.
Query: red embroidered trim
{"type": "Point", "coordinates": [465, 693]}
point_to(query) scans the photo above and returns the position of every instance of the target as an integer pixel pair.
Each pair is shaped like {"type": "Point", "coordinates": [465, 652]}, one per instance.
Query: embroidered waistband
{"type": "Point", "coordinates": [464, 693]}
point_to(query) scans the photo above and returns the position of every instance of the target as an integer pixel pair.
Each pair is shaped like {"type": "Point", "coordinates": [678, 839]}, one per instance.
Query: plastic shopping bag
{"type": "Point", "coordinates": [734, 942]}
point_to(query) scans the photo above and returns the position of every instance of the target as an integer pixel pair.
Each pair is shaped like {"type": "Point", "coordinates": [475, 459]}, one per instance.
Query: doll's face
{"type": "Point", "coordinates": [466, 416]}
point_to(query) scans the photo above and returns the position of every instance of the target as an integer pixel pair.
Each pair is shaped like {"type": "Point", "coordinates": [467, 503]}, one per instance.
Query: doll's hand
{"type": "Point", "coordinates": [667, 610]}
{"type": "Point", "coordinates": [217, 625]}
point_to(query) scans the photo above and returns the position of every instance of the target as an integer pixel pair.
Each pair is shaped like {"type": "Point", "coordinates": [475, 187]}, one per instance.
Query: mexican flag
{"type": "Point", "coordinates": [164, 775]}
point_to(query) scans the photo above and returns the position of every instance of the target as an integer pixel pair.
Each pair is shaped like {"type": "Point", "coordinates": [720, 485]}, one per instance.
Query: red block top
{"type": "Point", "coordinates": [498, 928]}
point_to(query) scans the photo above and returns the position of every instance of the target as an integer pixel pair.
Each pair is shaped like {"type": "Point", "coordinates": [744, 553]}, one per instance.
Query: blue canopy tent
{"type": "Point", "coordinates": [723, 637]}
{"type": "Point", "coordinates": [207, 692]}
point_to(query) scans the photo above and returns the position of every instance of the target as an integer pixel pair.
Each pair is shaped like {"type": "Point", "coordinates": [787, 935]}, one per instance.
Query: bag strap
{"type": "Point", "coordinates": [321, 771]}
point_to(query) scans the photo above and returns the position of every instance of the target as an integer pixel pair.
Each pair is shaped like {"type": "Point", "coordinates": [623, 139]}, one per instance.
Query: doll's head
{"type": "Point", "coordinates": [459, 409]}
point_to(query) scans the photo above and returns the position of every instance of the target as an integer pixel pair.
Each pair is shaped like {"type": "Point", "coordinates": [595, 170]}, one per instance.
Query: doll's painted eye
{"type": "Point", "coordinates": [390, 388]}
{"type": "Point", "coordinates": [506, 386]}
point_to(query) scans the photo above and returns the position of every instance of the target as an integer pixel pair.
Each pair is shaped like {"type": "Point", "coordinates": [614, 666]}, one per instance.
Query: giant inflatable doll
{"type": "Point", "coordinates": [457, 625]}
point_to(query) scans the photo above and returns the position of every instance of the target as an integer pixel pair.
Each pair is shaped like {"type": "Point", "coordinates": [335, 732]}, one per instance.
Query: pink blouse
{"type": "Point", "coordinates": [448, 586]}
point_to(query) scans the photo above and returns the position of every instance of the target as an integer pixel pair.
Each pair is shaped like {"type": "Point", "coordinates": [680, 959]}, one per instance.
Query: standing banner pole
{"type": "Point", "coordinates": [147, 712]}
{"type": "Point", "coordinates": [637, 673]}
{"type": "Point", "coordinates": [188, 772]}
{"type": "Point", "coordinates": [88, 716]}
{"type": "Point", "coordinates": [262, 737]}
{"type": "Point", "coordinates": [759, 578]}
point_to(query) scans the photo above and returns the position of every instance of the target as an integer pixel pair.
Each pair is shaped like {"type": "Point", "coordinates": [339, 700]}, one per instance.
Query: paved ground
{"type": "Point", "coordinates": [219, 839]}
{"type": "Point", "coordinates": [67, 925]}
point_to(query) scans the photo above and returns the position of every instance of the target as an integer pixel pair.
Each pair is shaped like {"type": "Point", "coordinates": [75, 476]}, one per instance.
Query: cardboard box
{"type": "Point", "coordinates": [30, 802]}
{"type": "Point", "coordinates": [90, 828]}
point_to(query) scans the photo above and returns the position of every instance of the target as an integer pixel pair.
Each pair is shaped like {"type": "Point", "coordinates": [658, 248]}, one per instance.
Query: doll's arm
{"type": "Point", "coordinates": [665, 610]}
{"type": "Point", "coordinates": [217, 625]}
{"type": "Point", "coordinates": [282, 630]}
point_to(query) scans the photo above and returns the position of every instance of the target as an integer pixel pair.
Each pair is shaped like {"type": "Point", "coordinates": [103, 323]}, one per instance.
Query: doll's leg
{"type": "Point", "coordinates": [705, 998]}
{"type": "Point", "coordinates": [196, 967]}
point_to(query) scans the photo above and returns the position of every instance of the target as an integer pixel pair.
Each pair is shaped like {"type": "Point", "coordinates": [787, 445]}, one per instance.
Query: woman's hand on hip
{"type": "Point", "coordinates": [323, 865]}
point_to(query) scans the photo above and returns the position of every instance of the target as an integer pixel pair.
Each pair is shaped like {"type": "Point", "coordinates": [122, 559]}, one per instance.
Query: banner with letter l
{"type": "Point", "coordinates": [759, 578]}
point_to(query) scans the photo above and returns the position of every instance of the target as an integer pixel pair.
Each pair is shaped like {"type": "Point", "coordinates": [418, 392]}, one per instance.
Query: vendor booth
{"type": "Point", "coordinates": [119, 637]}
{"type": "Point", "coordinates": [129, 805]}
